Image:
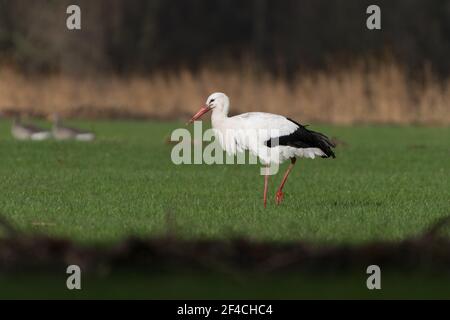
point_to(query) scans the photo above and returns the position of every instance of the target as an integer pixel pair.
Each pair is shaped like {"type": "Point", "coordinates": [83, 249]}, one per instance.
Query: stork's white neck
{"type": "Point", "coordinates": [218, 116]}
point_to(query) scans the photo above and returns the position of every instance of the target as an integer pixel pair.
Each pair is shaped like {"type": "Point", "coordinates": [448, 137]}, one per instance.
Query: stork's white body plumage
{"type": "Point", "coordinates": [250, 131]}
{"type": "Point", "coordinates": [272, 138]}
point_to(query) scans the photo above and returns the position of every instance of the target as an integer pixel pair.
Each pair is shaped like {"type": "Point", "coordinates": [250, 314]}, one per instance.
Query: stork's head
{"type": "Point", "coordinates": [217, 101]}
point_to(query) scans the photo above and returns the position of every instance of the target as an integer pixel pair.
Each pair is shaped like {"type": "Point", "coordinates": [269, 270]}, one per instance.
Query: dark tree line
{"type": "Point", "coordinates": [144, 35]}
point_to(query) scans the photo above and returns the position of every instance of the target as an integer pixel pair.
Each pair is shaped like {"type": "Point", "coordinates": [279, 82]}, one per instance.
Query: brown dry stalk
{"type": "Point", "coordinates": [362, 93]}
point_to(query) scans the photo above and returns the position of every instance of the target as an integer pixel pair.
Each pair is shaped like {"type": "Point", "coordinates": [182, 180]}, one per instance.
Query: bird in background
{"type": "Point", "coordinates": [272, 138]}
{"type": "Point", "coordinates": [61, 132]}
{"type": "Point", "coordinates": [22, 131]}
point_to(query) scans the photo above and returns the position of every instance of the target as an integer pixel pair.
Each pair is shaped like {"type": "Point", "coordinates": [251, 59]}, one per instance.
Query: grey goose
{"type": "Point", "coordinates": [22, 131]}
{"type": "Point", "coordinates": [61, 132]}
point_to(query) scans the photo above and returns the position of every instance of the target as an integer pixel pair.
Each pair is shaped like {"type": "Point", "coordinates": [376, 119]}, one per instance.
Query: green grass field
{"type": "Point", "coordinates": [386, 183]}
{"type": "Point", "coordinates": [199, 286]}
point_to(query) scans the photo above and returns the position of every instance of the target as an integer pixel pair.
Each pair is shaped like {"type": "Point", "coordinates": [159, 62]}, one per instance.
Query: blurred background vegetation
{"type": "Point", "coordinates": [313, 58]}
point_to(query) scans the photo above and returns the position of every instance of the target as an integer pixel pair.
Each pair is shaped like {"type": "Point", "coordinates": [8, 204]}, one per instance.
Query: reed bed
{"type": "Point", "coordinates": [361, 93]}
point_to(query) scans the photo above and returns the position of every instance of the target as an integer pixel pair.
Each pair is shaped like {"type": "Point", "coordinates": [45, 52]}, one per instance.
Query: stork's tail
{"type": "Point", "coordinates": [324, 143]}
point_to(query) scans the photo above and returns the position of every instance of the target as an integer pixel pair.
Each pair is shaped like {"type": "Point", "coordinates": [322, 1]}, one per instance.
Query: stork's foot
{"type": "Point", "coordinates": [279, 196]}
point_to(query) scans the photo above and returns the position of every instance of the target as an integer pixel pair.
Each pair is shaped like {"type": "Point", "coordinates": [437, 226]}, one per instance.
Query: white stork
{"type": "Point", "coordinates": [270, 137]}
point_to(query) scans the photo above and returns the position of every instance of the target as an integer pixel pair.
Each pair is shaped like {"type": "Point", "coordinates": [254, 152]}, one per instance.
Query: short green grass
{"type": "Point", "coordinates": [386, 183]}
{"type": "Point", "coordinates": [187, 285]}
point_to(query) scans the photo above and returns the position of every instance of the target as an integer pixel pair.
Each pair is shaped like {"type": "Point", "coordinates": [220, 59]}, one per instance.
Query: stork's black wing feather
{"type": "Point", "coordinates": [304, 138]}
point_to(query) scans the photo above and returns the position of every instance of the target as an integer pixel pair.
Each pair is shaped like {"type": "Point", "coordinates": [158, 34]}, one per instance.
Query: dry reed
{"type": "Point", "coordinates": [362, 93]}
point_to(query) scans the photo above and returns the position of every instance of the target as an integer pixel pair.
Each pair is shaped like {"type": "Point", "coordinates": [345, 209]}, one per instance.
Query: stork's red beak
{"type": "Point", "coordinates": [202, 111]}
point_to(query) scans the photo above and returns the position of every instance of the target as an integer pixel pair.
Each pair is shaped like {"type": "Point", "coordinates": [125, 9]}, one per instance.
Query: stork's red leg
{"type": "Point", "coordinates": [266, 185]}
{"type": "Point", "coordinates": [279, 194]}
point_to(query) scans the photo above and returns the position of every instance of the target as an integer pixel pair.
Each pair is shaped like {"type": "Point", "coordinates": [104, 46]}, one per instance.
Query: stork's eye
{"type": "Point", "coordinates": [212, 100]}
